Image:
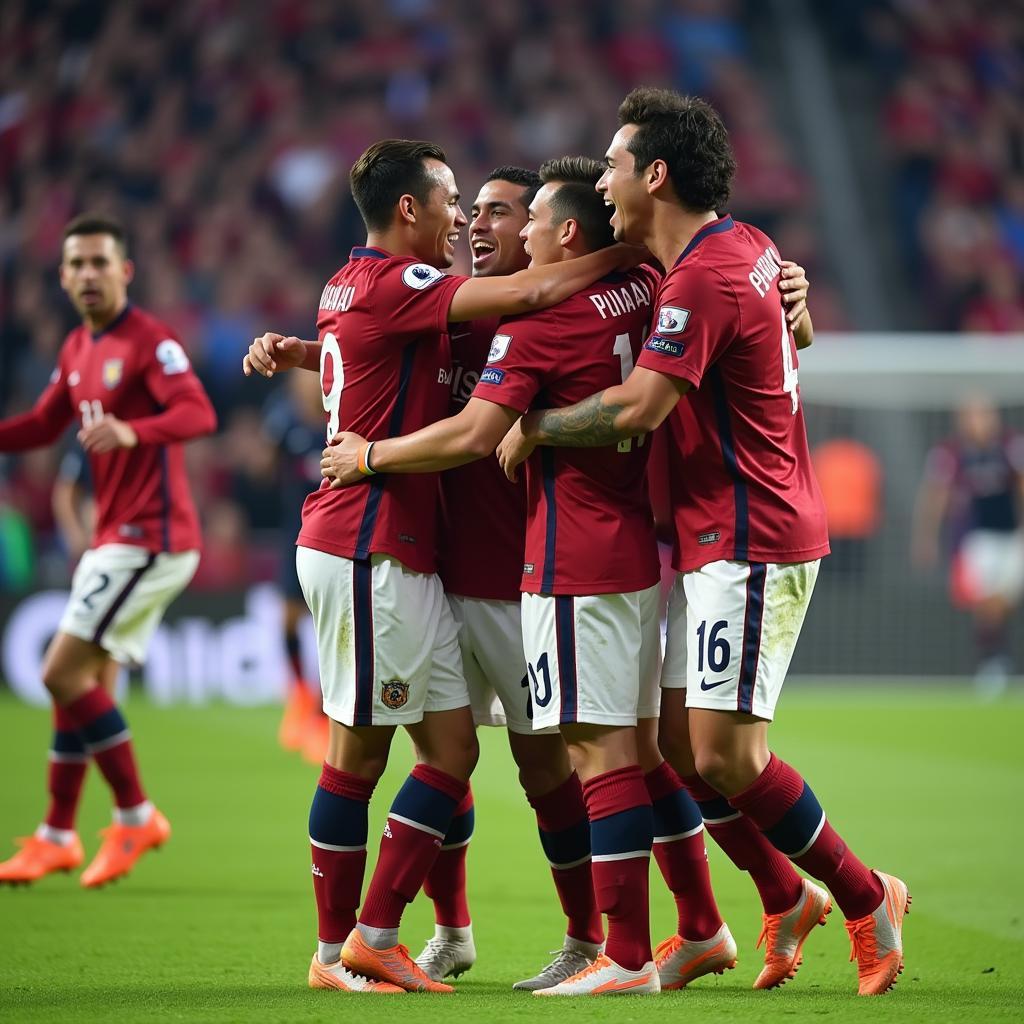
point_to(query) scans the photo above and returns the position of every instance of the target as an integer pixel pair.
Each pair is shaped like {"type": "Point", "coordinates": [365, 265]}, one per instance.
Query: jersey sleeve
{"type": "Point", "coordinates": [45, 421]}
{"type": "Point", "coordinates": [167, 370]}
{"type": "Point", "coordinates": [696, 319]}
{"type": "Point", "coordinates": [518, 363]}
{"type": "Point", "coordinates": [415, 298]}
{"type": "Point", "coordinates": [169, 378]}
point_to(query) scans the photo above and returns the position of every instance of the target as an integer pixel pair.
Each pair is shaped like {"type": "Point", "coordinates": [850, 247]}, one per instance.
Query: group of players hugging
{"type": "Point", "coordinates": [528, 603]}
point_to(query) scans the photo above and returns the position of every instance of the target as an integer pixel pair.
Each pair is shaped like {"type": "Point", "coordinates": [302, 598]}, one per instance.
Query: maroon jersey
{"type": "Point", "coordinates": [385, 368]}
{"type": "Point", "coordinates": [483, 515]}
{"type": "Point", "coordinates": [742, 483]}
{"type": "Point", "coordinates": [589, 525]}
{"type": "Point", "coordinates": [137, 371]}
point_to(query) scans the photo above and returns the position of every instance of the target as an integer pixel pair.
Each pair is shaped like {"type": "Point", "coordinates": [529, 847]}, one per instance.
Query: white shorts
{"type": "Point", "coordinates": [993, 564]}
{"type": "Point", "coordinates": [388, 645]}
{"type": "Point", "coordinates": [491, 639]}
{"type": "Point", "coordinates": [119, 594]}
{"type": "Point", "coordinates": [732, 630]}
{"type": "Point", "coordinates": [592, 659]}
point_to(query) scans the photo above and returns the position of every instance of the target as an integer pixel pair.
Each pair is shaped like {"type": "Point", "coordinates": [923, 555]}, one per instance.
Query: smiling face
{"type": "Point", "coordinates": [544, 231]}
{"type": "Point", "coordinates": [624, 190]}
{"type": "Point", "coordinates": [95, 274]}
{"type": "Point", "coordinates": [498, 216]}
{"type": "Point", "coordinates": [440, 219]}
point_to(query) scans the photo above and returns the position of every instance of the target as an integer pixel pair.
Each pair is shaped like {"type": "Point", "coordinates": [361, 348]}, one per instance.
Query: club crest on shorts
{"type": "Point", "coordinates": [394, 694]}
{"type": "Point", "coordinates": [113, 371]}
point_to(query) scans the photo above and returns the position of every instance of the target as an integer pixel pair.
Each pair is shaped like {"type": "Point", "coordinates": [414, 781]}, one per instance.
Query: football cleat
{"type": "Point", "coordinates": [316, 738]}
{"type": "Point", "coordinates": [604, 977]}
{"type": "Point", "coordinates": [681, 961]}
{"type": "Point", "coordinates": [39, 857]}
{"type": "Point", "coordinates": [299, 707]}
{"type": "Point", "coordinates": [392, 964]}
{"type": "Point", "coordinates": [573, 957]}
{"type": "Point", "coordinates": [337, 977]}
{"type": "Point", "coordinates": [876, 941]}
{"type": "Point", "coordinates": [448, 955]}
{"type": "Point", "coordinates": [783, 935]}
{"type": "Point", "coordinates": [122, 846]}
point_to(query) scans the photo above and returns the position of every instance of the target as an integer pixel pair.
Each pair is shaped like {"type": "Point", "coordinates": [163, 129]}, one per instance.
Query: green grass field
{"type": "Point", "coordinates": [220, 925]}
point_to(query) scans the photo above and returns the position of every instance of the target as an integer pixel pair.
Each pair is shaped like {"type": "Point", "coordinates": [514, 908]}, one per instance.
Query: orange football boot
{"type": "Point", "coordinates": [316, 738]}
{"type": "Point", "coordinates": [876, 941]}
{"type": "Point", "coordinates": [680, 961]}
{"type": "Point", "coordinates": [392, 964]}
{"type": "Point", "coordinates": [783, 935]}
{"type": "Point", "coordinates": [337, 977]}
{"type": "Point", "coordinates": [122, 846]}
{"type": "Point", "coordinates": [39, 857]}
{"type": "Point", "coordinates": [299, 705]}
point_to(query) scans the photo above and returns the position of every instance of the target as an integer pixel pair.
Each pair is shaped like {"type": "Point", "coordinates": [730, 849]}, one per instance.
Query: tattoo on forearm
{"type": "Point", "coordinates": [588, 424]}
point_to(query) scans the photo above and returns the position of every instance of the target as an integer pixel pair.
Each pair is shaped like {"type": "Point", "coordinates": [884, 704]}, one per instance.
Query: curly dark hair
{"type": "Point", "coordinates": [688, 134]}
{"type": "Point", "coordinates": [388, 170]}
{"type": "Point", "coordinates": [577, 199]}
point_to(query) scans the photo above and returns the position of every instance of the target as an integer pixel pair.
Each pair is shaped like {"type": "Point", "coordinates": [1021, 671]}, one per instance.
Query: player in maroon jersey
{"type": "Point", "coordinates": [388, 644]}
{"type": "Point", "coordinates": [129, 380]}
{"type": "Point", "coordinates": [749, 520]}
{"type": "Point", "coordinates": [594, 691]}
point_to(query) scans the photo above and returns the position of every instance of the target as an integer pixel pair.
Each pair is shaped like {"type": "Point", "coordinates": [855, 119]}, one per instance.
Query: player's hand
{"type": "Point", "coordinates": [794, 286]}
{"type": "Point", "coordinates": [273, 353]}
{"type": "Point", "coordinates": [516, 447]}
{"type": "Point", "coordinates": [340, 460]}
{"type": "Point", "coordinates": [107, 434]}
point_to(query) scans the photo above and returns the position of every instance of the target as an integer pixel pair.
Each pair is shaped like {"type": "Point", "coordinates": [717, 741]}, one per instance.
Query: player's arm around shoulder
{"type": "Point", "coordinates": [470, 435]}
{"type": "Point", "coordinates": [538, 287]}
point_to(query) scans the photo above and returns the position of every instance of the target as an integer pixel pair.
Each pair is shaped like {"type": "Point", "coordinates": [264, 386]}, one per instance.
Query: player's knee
{"type": "Point", "coordinates": [675, 748]}
{"type": "Point", "coordinates": [458, 756]}
{"type": "Point", "coordinates": [730, 772]}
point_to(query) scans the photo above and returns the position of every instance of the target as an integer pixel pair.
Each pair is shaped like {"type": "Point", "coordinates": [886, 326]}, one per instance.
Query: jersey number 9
{"type": "Point", "coordinates": [332, 371]}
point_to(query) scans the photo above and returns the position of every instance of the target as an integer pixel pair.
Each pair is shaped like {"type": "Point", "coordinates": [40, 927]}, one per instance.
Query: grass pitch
{"type": "Point", "coordinates": [220, 925]}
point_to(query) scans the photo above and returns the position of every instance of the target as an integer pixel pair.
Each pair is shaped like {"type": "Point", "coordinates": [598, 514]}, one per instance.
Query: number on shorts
{"type": "Point", "coordinates": [541, 700]}
{"type": "Point", "coordinates": [332, 397]}
{"type": "Point", "coordinates": [624, 350]}
{"type": "Point", "coordinates": [525, 684]}
{"type": "Point", "coordinates": [718, 650]}
{"type": "Point", "coordinates": [790, 374]}
{"type": "Point", "coordinates": [92, 412]}
{"type": "Point", "coordinates": [103, 581]}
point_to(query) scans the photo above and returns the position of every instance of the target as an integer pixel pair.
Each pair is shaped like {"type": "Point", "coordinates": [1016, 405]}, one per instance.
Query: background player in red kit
{"type": "Point", "coordinates": [749, 520]}
{"type": "Point", "coordinates": [127, 378]}
{"type": "Point", "coordinates": [595, 611]}
{"type": "Point", "coordinates": [387, 641]}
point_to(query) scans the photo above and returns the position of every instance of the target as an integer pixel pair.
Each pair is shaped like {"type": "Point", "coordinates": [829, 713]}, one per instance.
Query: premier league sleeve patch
{"type": "Point", "coordinates": [420, 276]}
{"type": "Point", "coordinates": [171, 357]}
{"type": "Point", "coordinates": [672, 320]}
{"type": "Point", "coordinates": [499, 348]}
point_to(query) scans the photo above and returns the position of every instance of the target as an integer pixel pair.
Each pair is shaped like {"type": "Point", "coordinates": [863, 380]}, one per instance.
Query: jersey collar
{"type": "Point", "coordinates": [114, 324]}
{"type": "Point", "coordinates": [722, 224]}
{"type": "Point", "coordinates": [361, 251]}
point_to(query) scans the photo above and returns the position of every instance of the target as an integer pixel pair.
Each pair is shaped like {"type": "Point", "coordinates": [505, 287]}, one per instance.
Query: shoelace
{"type": "Point", "coordinates": [769, 931]}
{"type": "Point", "coordinates": [667, 948]}
{"type": "Point", "coordinates": [437, 946]}
{"type": "Point", "coordinates": [587, 971]}
{"type": "Point", "coordinates": [862, 939]}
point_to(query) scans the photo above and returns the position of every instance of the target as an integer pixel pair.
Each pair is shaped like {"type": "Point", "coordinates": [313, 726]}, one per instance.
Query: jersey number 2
{"type": "Point", "coordinates": [329, 348]}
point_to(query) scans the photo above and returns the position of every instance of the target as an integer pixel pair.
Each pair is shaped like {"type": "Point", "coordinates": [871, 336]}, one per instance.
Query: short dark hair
{"type": "Point", "coordinates": [97, 224]}
{"type": "Point", "coordinates": [530, 180]}
{"type": "Point", "coordinates": [577, 198]}
{"type": "Point", "coordinates": [689, 136]}
{"type": "Point", "coordinates": [388, 170]}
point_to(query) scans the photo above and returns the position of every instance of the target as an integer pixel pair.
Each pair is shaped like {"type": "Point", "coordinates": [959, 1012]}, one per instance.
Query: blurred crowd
{"type": "Point", "coordinates": [953, 125]}
{"type": "Point", "coordinates": [222, 132]}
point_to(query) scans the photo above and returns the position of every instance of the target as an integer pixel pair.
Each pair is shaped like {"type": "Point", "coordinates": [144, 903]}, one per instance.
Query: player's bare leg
{"type": "Point", "coordinates": [991, 617]}
{"type": "Point", "coordinates": [731, 754]}
{"type": "Point", "coordinates": [621, 832]}
{"type": "Point", "coordinates": [792, 906]}
{"type": "Point", "coordinates": [301, 706]}
{"type": "Point", "coordinates": [420, 816]}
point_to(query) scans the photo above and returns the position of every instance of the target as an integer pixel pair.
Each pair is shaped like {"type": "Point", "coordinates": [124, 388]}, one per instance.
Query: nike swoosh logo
{"type": "Point", "coordinates": [621, 986]}
{"type": "Point", "coordinates": [704, 685]}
